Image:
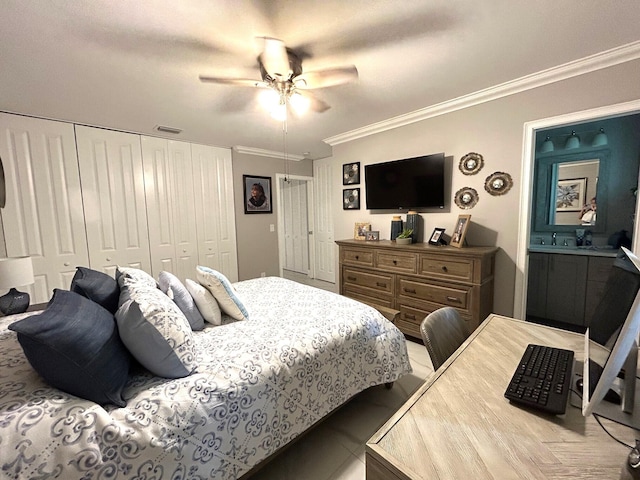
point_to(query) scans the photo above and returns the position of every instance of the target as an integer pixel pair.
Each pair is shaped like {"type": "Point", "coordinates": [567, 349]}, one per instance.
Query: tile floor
{"type": "Point", "coordinates": [335, 449]}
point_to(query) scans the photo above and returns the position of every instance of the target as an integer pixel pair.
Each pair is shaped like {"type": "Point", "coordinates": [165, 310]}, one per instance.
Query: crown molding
{"type": "Point", "coordinates": [266, 153]}
{"type": "Point", "coordinates": [598, 61]}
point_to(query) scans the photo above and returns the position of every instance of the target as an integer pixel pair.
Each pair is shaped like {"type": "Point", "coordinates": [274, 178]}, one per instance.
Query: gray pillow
{"type": "Point", "coordinates": [129, 275]}
{"type": "Point", "coordinates": [176, 291]}
{"type": "Point", "coordinates": [74, 345]}
{"type": "Point", "coordinates": [156, 332]}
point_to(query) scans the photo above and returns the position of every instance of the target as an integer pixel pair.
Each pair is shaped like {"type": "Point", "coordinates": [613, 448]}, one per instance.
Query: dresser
{"type": "Point", "coordinates": [417, 279]}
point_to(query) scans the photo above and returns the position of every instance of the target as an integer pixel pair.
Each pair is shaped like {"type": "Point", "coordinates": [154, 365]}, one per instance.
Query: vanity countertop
{"type": "Point", "coordinates": [591, 251]}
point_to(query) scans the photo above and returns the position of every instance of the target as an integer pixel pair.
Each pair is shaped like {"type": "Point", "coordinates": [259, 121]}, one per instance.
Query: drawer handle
{"type": "Point", "coordinates": [380, 284]}
{"type": "Point", "coordinates": [352, 279]}
{"type": "Point", "coordinates": [444, 268]}
{"type": "Point", "coordinates": [410, 290]}
{"type": "Point", "coordinates": [395, 262]}
{"type": "Point", "coordinates": [357, 257]}
{"type": "Point", "coordinates": [454, 299]}
{"type": "Point", "coordinates": [410, 316]}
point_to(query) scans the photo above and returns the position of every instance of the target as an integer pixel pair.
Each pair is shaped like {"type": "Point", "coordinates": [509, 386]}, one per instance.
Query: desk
{"type": "Point", "coordinates": [458, 425]}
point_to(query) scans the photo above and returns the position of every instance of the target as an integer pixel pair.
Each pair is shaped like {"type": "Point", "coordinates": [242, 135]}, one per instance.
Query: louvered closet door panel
{"type": "Point", "coordinates": [158, 195]}
{"type": "Point", "coordinates": [43, 217]}
{"type": "Point", "coordinates": [112, 177]}
{"type": "Point", "coordinates": [185, 232]}
{"type": "Point", "coordinates": [216, 228]}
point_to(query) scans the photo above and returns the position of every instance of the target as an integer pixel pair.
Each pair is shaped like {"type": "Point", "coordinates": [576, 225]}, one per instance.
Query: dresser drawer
{"type": "Point", "coordinates": [411, 316]}
{"type": "Point", "coordinates": [446, 267]}
{"type": "Point", "coordinates": [444, 295]}
{"type": "Point", "coordinates": [373, 280]}
{"type": "Point", "coordinates": [356, 257]}
{"type": "Point", "coordinates": [396, 261]}
{"type": "Point", "coordinates": [368, 296]}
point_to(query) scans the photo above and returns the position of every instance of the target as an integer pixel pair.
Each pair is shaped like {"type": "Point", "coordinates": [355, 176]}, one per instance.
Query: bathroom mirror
{"type": "Point", "coordinates": [565, 184]}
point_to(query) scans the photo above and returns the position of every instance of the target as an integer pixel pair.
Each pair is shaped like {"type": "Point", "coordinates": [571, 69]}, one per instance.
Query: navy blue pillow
{"type": "Point", "coordinates": [74, 345]}
{"type": "Point", "coordinates": [96, 286]}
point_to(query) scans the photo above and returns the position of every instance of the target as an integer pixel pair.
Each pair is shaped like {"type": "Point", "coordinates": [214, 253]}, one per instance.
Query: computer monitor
{"type": "Point", "coordinates": [619, 353]}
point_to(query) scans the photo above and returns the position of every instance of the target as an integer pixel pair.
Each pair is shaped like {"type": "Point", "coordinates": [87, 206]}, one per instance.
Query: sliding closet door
{"type": "Point", "coordinates": [43, 217]}
{"type": "Point", "coordinates": [215, 211]}
{"type": "Point", "coordinates": [168, 173]}
{"type": "Point", "coordinates": [112, 177]}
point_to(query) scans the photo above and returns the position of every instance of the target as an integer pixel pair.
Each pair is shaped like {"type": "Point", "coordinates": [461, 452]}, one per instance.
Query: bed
{"type": "Point", "coordinates": [260, 383]}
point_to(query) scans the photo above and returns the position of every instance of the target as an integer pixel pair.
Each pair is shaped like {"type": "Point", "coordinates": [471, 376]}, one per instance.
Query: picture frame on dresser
{"type": "Point", "coordinates": [436, 237]}
{"type": "Point", "coordinates": [360, 230]}
{"type": "Point", "coordinates": [460, 232]}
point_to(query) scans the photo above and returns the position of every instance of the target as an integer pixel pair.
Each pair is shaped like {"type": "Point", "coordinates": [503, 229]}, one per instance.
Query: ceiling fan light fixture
{"type": "Point", "coordinates": [299, 103]}
{"type": "Point", "coordinates": [279, 112]}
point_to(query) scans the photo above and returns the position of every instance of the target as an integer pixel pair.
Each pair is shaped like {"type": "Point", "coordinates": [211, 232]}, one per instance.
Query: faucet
{"type": "Point", "coordinates": [553, 238]}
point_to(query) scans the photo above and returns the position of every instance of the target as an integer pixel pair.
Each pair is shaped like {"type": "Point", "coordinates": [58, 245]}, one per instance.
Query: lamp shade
{"type": "Point", "coordinates": [15, 272]}
{"type": "Point", "coordinates": [600, 139]}
{"type": "Point", "coordinates": [547, 145]}
{"type": "Point", "coordinates": [573, 141]}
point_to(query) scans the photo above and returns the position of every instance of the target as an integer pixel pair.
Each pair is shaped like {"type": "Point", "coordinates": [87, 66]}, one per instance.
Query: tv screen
{"type": "Point", "coordinates": [405, 184]}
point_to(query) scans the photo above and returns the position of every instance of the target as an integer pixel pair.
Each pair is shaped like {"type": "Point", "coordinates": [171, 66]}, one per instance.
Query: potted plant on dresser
{"type": "Point", "coordinates": [405, 237]}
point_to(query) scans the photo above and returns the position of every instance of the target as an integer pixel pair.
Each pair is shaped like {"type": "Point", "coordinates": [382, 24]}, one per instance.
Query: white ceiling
{"type": "Point", "coordinates": [134, 64]}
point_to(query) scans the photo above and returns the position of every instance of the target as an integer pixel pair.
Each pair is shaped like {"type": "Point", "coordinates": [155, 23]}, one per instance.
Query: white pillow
{"type": "Point", "coordinates": [176, 291]}
{"type": "Point", "coordinates": [205, 302]}
{"type": "Point", "coordinates": [129, 276]}
{"type": "Point", "coordinates": [223, 291]}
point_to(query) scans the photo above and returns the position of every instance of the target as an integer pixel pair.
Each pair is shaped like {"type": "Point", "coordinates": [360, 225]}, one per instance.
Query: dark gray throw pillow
{"type": "Point", "coordinates": [97, 286]}
{"type": "Point", "coordinates": [74, 345]}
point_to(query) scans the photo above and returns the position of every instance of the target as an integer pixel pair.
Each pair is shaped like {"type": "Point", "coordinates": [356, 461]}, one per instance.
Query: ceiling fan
{"type": "Point", "coordinates": [286, 83]}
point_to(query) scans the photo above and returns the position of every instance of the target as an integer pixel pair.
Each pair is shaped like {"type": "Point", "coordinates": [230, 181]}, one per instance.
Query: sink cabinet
{"type": "Point", "coordinates": [565, 288]}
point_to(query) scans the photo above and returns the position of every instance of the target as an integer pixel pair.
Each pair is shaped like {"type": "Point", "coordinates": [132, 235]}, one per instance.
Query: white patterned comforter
{"type": "Point", "coordinates": [260, 383]}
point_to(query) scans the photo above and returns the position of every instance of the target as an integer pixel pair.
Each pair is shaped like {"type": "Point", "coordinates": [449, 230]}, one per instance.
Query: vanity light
{"type": "Point", "coordinates": [573, 141]}
{"type": "Point", "coordinates": [547, 145]}
{"type": "Point", "coordinates": [600, 139]}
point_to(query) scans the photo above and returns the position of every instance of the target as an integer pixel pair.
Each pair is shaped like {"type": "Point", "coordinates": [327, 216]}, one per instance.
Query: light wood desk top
{"type": "Point", "coordinates": [458, 425]}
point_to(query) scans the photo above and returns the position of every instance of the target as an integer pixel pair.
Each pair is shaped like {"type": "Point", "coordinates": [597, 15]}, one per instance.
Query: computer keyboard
{"type": "Point", "coordinates": [542, 379]}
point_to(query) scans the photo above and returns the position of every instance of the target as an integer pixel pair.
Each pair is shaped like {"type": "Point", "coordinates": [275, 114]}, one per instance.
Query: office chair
{"type": "Point", "coordinates": [443, 331]}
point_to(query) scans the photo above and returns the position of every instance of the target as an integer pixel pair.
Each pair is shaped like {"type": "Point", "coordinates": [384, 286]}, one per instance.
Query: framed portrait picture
{"type": "Point", "coordinates": [360, 230]}
{"type": "Point", "coordinates": [351, 199]}
{"type": "Point", "coordinates": [351, 173]}
{"type": "Point", "coordinates": [571, 194]}
{"type": "Point", "coordinates": [436, 236]}
{"type": "Point", "coordinates": [460, 232]}
{"type": "Point", "coordinates": [257, 194]}
{"type": "Point", "coordinates": [372, 236]}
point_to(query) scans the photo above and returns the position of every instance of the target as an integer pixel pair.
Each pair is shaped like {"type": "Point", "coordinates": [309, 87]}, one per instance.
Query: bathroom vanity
{"type": "Point", "coordinates": [566, 283]}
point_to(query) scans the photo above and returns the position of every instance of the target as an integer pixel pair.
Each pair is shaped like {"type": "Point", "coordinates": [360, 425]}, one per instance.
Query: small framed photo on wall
{"type": "Point", "coordinates": [351, 173]}
{"type": "Point", "coordinates": [257, 194]}
{"type": "Point", "coordinates": [460, 232]}
{"type": "Point", "coordinates": [351, 199]}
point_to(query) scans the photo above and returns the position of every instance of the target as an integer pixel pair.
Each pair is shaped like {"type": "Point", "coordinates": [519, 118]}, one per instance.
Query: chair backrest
{"type": "Point", "coordinates": [443, 331]}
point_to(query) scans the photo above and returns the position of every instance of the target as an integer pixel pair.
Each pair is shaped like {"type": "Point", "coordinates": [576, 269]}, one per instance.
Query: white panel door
{"type": "Point", "coordinates": [43, 217]}
{"type": "Point", "coordinates": [112, 177]}
{"type": "Point", "coordinates": [215, 211]}
{"type": "Point", "coordinates": [325, 247]}
{"type": "Point", "coordinates": [296, 225]}
{"type": "Point", "coordinates": [183, 202]}
{"type": "Point", "coordinates": [158, 196]}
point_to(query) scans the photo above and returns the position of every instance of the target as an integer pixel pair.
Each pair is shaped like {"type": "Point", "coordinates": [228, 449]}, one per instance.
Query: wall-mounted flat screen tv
{"type": "Point", "coordinates": [406, 184]}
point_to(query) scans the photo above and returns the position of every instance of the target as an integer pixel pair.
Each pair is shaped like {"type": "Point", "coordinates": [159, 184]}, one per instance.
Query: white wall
{"type": "Point", "coordinates": [495, 130]}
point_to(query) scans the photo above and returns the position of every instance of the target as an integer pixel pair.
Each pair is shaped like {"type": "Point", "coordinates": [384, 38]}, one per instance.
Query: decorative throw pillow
{"type": "Point", "coordinates": [176, 291]}
{"type": "Point", "coordinates": [97, 286]}
{"type": "Point", "coordinates": [223, 291]}
{"type": "Point", "coordinates": [207, 305]}
{"type": "Point", "coordinates": [129, 275]}
{"type": "Point", "coordinates": [74, 345]}
{"type": "Point", "coordinates": [156, 332]}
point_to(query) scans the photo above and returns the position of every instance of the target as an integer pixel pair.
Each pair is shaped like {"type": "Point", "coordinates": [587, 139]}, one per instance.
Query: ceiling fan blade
{"type": "Point", "coordinates": [326, 78]}
{"type": "Point", "coordinates": [275, 59]}
{"type": "Point", "coordinates": [242, 82]}
{"type": "Point", "coordinates": [315, 103]}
